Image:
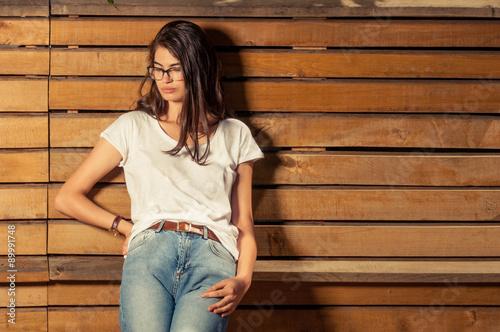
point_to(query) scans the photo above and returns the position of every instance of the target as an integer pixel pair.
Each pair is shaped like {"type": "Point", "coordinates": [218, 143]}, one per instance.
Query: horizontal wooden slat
{"type": "Point", "coordinates": [27, 295]}
{"type": "Point", "coordinates": [304, 130]}
{"type": "Point", "coordinates": [88, 268]}
{"type": "Point", "coordinates": [27, 319]}
{"type": "Point", "coordinates": [374, 271]}
{"type": "Point", "coordinates": [387, 32]}
{"type": "Point", "coordinates": [24, 8]}
{"type": "Point", "coordinates": [27, 269]}
{"type": "Point", "coordinates": [35, 61]}
{"type": "Point", "coordinates": [381, 240]}
{"type": "Point", "coordinates": [340, 203]}
{"type": "Point", "coordinates": [363, 64]}
{"type": "Point", "coordinates": [13, 96]}
{"type": "Point", "coordinates": [296, 96]}
{"type": "Point", "coordinates": [280, 63]}
{"type": "Point", "coordinates": [420, 168]}
{"type": "Point", "coordinates": [23, 201]}
{"type": "Point", "coordinates": [377, 319]}
{"type": "Point", "coordinates": [379, 271]}
{"type": "Point", "coordinates": [337, 203]}
{"type": "Point", "coordinates": [291, 292]}
{"type": "Point", "coordinates": [73, 237]}
{"type": "Point", "coordinates": [281, 8]}
{"type": "Point", "coordinates": [24, 131]}
{"type": "Point", "coordinates": [85, 239]}
{"type": "Point", "coordinates": [24, 31]}
{"type": "Point", "coordinates": [24, 165]}
{"type": "Point", "coordinates": [30, 236]}
{"type": "Point", "coordinates": [83, 319]}
{"type": "Point", "coordinates": [265, 319]}
{"type": "Point", "coordinates": [84, 293]}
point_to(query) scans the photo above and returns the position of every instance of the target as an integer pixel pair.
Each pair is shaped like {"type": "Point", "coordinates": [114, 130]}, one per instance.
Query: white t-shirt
{"type": "Point", "coordinates": [174, 187]}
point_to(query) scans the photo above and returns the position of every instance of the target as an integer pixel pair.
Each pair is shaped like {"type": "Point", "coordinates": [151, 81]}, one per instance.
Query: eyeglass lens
{"type": "Point", "coordinates": [174, 73]}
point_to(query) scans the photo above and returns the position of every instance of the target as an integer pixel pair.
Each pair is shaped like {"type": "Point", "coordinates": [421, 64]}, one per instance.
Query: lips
{"type": "Point", "coordinates": [168, 90]}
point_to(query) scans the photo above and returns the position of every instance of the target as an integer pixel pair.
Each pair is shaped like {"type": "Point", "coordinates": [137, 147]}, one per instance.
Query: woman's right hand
{"type": "Point", "coordinates": [126, 229]}
{"type": "Point", "coordinates": [125, 246]}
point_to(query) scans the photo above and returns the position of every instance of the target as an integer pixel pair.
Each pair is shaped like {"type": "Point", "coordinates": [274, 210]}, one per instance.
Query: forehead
{"type": "Point", "coordinates": [164, 57]}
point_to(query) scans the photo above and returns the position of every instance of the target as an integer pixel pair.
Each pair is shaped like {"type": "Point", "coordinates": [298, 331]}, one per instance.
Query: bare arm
{"type": "Point", "coordinates": [71, 198]}
{"type": "Point", "coordinates": [232, 290]}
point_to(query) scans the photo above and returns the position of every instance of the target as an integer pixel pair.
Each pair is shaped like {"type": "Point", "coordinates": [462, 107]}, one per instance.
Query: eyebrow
{"type": "Point", "coordinates": [172, 65]}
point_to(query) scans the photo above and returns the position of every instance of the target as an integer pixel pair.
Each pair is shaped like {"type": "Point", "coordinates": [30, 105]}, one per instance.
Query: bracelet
{"type": "Point", "coordinates": [114, 225]}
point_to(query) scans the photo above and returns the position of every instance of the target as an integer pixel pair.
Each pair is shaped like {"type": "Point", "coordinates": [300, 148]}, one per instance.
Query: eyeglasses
{"type": "Point", "coordinates": [174, 73]}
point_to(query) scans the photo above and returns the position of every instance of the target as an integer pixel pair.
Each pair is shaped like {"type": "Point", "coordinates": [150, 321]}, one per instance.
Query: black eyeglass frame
{"type": "Point", "coordinates": [163, 72]}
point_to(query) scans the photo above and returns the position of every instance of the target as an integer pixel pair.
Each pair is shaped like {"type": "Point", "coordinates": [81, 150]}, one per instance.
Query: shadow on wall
{"type": "Point", "coordinates": [273, 304]}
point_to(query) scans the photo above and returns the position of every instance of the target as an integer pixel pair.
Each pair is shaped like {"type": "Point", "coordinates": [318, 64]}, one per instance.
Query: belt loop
{"type": "Point", "coordinates": [205, 232]}
{"type": "Point", "coordinates": [162, 222]}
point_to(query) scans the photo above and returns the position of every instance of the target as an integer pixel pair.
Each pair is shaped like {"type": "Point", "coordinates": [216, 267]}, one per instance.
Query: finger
{"type": "Point", "coordinates": [225, 310]}
{"type": "Point", "coordinates": [218, 285]}
{"type": "Point", "coordinates": [222, 303]}
{"type": "Point", "coordinates": [218, 293]}
{"type": "Point", "coordinates": [214, 292]}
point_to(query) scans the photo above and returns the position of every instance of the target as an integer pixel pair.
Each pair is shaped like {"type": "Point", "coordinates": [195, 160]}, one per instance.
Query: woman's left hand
{"type": "Point", "coordinates": [231, 291]}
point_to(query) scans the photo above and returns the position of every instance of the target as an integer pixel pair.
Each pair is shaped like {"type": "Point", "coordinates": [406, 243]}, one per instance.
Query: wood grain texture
{"type": "Point", "coordinates": [289, 292]}
{"type": "Point", "coordinates": [414, 319]}
{"type": "Point", "coordinates": [23, 201]}
{"type": "Point", "coordinates": [30, 236]}
{"type": "Point", "coordinates": [340, 203]}
{"type": "Point", "coordinates": [24, 131]}
{"type": "Point", "coordinates": [29, 269]}
{"type": "Point", "coordinates": [35, 61]}
{"type": "Point", "coordinates": [109, 268]}
{"type": "Point", "coordinates": [24, 166]}
{"type": "Point", "coordinates": [388, 319]}
{"type": "Point", "coordinates": [419, 168]}
{"type": "Point", "coordinates": [27, 319]}
{"type": "Point", "coordinates": [379, 271]}
{"type": "Point", "coordinates": [24, 8]}
{"type": "Point", "coordinates": [297, 64]}
{"type": "Point", "coordinates": [299, 96]}
{"type": "Point", "coordinates": [14, 96]}
{"type": "Point", "coordinates": [24, 31]}
{"type": "Point", "coordinates": [86, 239]}
{"type": "Point", "coordinates": [338, 32]}
{"type": "Point", "coordinates": [423, 133]}
{"type": "Point", "coordinates": [27, 295]}
{"type": "Point", "coordinates": [83, 319]}
{"type": "Point", "coordinates": [351, 240]}
{"type": "Point", "coordinates": [281, 8]}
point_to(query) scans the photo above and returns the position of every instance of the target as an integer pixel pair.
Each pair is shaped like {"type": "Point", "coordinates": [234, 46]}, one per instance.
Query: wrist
{"type": "Point", "coordinates": [246, 279]}
{"type": "Point", "coordinates": [125, 227]}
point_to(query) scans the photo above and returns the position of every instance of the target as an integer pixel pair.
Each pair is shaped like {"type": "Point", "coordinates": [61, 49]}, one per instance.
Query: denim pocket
{"type": "Point", "coordinates": [220, 251]}
{"type": "Point", "coordinates": [140, 239]}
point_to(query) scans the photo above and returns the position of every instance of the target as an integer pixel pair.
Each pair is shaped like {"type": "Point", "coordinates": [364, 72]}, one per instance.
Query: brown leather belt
{"type": "Point", "coordinates": [185, 227]}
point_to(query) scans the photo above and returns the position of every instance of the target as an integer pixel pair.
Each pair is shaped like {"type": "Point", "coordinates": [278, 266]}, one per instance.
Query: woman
{"type": "Point", "coordinates": [188, 169]}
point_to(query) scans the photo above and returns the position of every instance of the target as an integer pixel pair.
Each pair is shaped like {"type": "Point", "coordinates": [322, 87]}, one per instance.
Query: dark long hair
{"type": "Point", "coordinates": [204, 94]}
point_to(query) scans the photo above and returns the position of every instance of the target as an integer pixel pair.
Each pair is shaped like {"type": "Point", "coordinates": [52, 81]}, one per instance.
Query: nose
{"type": "Point", "coordinates": [166, 78]}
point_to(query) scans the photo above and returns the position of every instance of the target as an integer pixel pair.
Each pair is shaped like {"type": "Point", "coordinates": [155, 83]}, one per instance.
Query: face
{"type": "Point", "coordinates": [172, 91]}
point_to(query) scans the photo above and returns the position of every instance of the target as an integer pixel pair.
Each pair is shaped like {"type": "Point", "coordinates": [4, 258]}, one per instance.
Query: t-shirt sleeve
{"type": "Point", "coordinates": [118, 134]}
{"type": "Point", "coordinates": [249, 150]}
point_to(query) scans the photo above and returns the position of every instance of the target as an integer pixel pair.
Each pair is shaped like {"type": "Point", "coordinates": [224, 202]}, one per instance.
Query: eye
{"type": "Point", "coordinates": [177, 69]}
{"type": "Point", "coordinates": [157, 70]}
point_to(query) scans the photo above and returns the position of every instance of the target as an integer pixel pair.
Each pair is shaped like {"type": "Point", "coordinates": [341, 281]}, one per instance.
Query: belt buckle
{"type": "Point", "coordinates": [184, 227]}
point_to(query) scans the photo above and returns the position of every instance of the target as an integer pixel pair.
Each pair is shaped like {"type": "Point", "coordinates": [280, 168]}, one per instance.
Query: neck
{"type": "Point", "coordinates": [172, 115]}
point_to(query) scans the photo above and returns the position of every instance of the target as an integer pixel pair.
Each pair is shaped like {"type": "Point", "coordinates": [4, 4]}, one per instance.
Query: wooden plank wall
{"type": "Point", "coordinates": [377, 205]}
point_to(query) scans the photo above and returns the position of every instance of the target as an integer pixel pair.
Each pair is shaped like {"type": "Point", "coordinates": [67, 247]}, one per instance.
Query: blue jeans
{"type": "Point", "coordinates": [164, 274]}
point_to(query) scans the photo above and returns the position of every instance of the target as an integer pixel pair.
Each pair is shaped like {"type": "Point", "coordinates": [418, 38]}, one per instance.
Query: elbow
{"type": "Point", "coordinates": [60, 202]}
